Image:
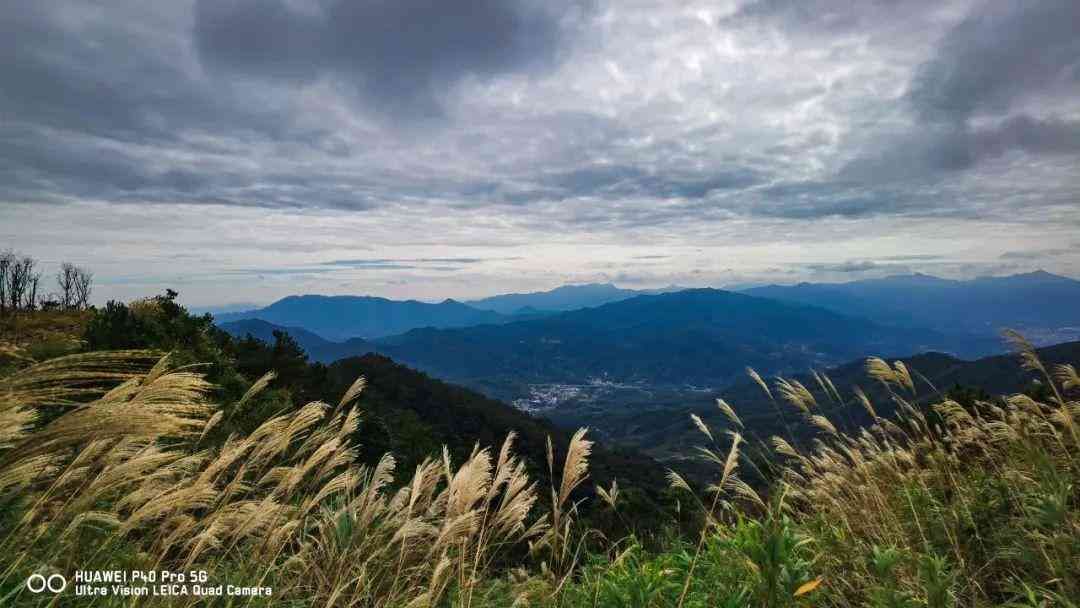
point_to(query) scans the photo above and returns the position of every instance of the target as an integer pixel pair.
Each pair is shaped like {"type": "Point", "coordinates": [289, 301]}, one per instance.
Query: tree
{"type": "Point", "coordinates": [75, 283]}
{"type": "Point", "coordinates": [33, 279]}
{"type": "Point", "coordinates": [84, 284]}
{"type": "Point", "coordinates": [7, 258]}
{"type": "Point", "coordinates": [65, 280]}
{"type": "Point", "coordinates": [19, 281]}
{"type": "Point", "coordinates": [116, 327]}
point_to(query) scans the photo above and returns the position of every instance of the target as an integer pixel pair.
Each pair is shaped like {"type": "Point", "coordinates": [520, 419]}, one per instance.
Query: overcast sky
{"type": "Point", "coordinates": [239, 151]}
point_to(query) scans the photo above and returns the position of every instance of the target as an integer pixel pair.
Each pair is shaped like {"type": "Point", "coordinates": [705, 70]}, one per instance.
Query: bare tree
{"type": "Point", "coordinates": [33, 280]}
{"type": "Point", "coordinates": [20, 282]}
{"type": "Point", "coordinates": [16, 284]}
{"type": "Point", "coordinates": [65, 280]}
{"type": "Point", "coordinates": [84, 284]}
{"type": "Point", "coordinates": [7, 259]}
{"type": "Point", "coordinates": [75, 283]}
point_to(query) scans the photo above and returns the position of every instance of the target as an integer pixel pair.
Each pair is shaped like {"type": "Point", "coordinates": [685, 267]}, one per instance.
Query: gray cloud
{"type": "Point", "coordinates": [881, 18]}
{"type": "Point", "coordinates": [934, 148]}
{"type": "Point", "coordinates": [849, 266]}
{"type": "Point", "coordinates": [1022, 132]}
{"type": "Point", "coordinates": [624, 181]}
{"type": "Point", "coordinates": [323, 269]}
{"type": "Point", "coordinates": [397, 262]}
{"type": "Point", "coordinates": [1001, 54]}
{"type": "Point", "coordinates": [914, 257]}
{"type": "Point", "coordinates": [1038, 254]}
{"type": "Point", "coordinates": [121, 72]}
{"type": "Point", "coordinates": [993, 85]}
{"type": "Point", "coordinates": [399, 56]}
{"type": "Point", "coordinates": [420, 136]}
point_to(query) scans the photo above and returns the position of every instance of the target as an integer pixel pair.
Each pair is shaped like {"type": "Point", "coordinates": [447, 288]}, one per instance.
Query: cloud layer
{"type": "Point", "coordinates": [490, 145]}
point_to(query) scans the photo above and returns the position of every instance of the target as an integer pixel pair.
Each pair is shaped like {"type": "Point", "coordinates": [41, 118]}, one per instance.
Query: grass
{"type": "Point", "coordinates": [110, 461]}
{"type": "Point", "coordinates": [39, 335]}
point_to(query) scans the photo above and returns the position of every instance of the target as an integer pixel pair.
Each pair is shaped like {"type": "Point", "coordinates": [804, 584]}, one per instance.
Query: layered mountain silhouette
{"type": "Point", "coordinates": [695, 337]}
{"type": "Point", "coordinates": [344, 317]}
{"type": "Point", "coordinates": [561, 299]}
{"type": "Point", "coordinates": [1039, 302]}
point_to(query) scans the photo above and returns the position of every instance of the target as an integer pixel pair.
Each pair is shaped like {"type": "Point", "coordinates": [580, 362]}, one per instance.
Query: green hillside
{"type": "Point", "coordinates": [699, 337]}
{"type": "Point", "coordinates": [658, 424]}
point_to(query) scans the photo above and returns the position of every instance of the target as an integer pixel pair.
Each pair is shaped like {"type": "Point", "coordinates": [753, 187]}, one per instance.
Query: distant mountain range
{"type": "Point", "coordinates": [695, 337]}
{"type": "Point", "coordinates": [344, 317]}
{"type": "Point", "coordinates": [691, 337]}
{"type": "Point", "coordinates": [221, 309]}
{"type": "Point", "coordinates": [1044, 305]}
{"type": "Point", "coordinates": [561, 299]}
{"type": "Point", "coordinates": [1040, 303]}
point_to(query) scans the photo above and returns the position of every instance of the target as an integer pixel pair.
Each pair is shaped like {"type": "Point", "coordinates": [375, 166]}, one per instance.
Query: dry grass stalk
{"type": "Point", "coordinates": [729, 412]}
{"type": "Point", "coordinates": [796, 394]}
{"type": "Point", "coordinates": [290, 488]}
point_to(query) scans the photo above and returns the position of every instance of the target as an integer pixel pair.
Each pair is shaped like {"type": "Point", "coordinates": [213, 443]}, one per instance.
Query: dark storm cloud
{"type": "Point", "coordinates": [40, 165]}
{"type": "Point", "coordinates": [98, 103]}
{"type": "Point", "coordinates": [1050, 136]}
{"type": "Point", "coordinates": [1002, 53]}
{"type": "Point", "coordinates": [81, 67]}
{"type": "Point", "coordinates": [973, 100]}
{"type": "Point", "coordinates": [931, 148]}
{"type": "Point", "coordinates": [400, 56]}
{"type": "Point", "coordinates": [112, 102]}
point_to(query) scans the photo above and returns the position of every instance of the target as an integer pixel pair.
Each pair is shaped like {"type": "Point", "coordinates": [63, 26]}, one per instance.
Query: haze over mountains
{"type": "Point", "coordinates": [1038, 302]}
{"type": "Point", "coordinates": [1043, 305]}
{"type": "Point", "coordinates": [344, 317]}
{"type": "Point", "coordinates": [691, 339]}
{"type": "Point", "coordinates": [564, 298]}
{"type": "Point", "coordinates": [700, 337]}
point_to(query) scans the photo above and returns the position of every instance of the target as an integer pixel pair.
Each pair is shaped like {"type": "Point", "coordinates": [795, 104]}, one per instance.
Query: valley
{"type": "Point", "coordinates": [633, 367]}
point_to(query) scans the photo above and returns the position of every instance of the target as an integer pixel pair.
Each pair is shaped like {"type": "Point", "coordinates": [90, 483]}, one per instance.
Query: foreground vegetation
{"type": "Point", "coordinates": [127, 459]}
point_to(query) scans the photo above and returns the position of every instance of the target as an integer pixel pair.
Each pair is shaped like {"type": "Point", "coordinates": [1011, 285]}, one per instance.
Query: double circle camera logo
{"type": "Point", "coordinates": [39, 583]}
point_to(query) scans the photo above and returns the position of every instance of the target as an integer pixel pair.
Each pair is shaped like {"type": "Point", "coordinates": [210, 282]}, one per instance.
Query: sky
{"type": "Point", "coordinates": [239, 151]}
